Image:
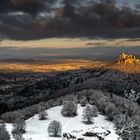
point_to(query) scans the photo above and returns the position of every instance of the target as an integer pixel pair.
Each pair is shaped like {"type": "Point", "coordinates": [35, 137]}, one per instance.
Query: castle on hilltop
{"type": "Point", "coordinates": [127, 59]}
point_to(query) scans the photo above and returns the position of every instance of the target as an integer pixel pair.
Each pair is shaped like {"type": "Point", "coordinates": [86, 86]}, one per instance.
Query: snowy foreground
{"type": "Point", "coordinates": [37, 129]}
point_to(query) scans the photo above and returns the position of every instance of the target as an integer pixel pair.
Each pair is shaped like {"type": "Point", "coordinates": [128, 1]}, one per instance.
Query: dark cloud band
{"type": "Point", "coordinates": [31, 19]}
{"type": "Point", "coordinates": [28, 6]}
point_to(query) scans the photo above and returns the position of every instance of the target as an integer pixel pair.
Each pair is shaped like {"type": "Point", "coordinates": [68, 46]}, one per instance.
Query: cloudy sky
{"type": "Point", "coordinates": [37, 19]}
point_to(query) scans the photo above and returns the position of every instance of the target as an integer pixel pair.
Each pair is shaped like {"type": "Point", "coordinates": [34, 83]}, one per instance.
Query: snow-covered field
{"type": "Point", "coordinates": [37, 129]}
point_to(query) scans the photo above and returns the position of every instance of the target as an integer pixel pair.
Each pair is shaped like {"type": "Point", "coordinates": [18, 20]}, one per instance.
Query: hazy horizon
{"type": "Point", "coordinates": [67, 48]}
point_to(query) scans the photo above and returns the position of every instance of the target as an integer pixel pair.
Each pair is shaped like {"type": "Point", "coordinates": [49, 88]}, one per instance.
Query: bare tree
{"type": "Point", "coordinates": [4, 135]}
{"type": "Point", "coordinates": [132, 97]}
{"type": "Point", "coordinates": [131, 128]}
{"type": "Point", "coordinates": [54, 129]}
{"type": "Point", "coordinates": [19, 129]}
{"type": "Point", "coordinates": [19, 125]}
{"type": "Point", "coordinates": [88, 114]}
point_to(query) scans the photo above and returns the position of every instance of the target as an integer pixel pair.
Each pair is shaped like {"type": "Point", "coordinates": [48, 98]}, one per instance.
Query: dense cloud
{"type": "Point", "coordinates": [27, 6]}
{"type": "Point", "coordinates": [31, 19]}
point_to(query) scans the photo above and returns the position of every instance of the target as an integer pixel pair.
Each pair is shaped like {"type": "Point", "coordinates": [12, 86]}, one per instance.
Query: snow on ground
{"type": "Point", "coordinates": [37, 129]}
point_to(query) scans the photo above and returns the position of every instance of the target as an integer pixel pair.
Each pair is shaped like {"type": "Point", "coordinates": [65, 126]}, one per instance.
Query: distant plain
{"type": "Point", "coordinates": [61, 54]}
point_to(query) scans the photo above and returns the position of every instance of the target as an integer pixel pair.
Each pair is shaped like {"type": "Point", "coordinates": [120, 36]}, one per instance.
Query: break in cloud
{"type": "Point", "coordinates": [32, 19]}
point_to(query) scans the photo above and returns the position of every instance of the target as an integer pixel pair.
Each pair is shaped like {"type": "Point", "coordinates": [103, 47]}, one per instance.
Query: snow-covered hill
{"type": "Point", "coordinates": [37, 129]}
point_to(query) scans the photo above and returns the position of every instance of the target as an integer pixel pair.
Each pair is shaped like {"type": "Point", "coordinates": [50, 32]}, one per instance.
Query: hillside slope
{"type": "Point", "coordinates": [37, 130]}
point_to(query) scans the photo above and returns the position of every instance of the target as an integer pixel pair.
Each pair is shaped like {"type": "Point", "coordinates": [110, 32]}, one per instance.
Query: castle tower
{"type": "Point", "coordinates": [127, 59]}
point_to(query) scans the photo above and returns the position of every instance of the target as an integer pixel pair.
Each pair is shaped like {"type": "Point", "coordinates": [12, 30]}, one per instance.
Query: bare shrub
{"type": "Point", "coordinates": [55, 129]}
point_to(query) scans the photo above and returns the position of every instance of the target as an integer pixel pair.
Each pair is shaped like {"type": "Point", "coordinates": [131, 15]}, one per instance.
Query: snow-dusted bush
{"type": "Point", "coordinates": [42, 106]}
{"type": "Point", "coordinates": [10, 117]}
{"type": "Point", "coordinates": [95, 95]}
{"type": "Point", "coordinates": [88, 115]}
{"type": "Point", "coordinates": [19, 126]}
{"type": "Point", "coordinates": [71, 97]}
{"type": "Point", "coordinates": [4, 135]}
{"type": "Point", "coordinates": [111, 111]}
{"type": "Point", "coordinates": [17, 135]}
{"type": "Point", "coordinates": [42, 115]}
{"type": "Point", "coordinates": [103, 103]}
{"type": "Point", "coordinates": [55, 129]}
{"type": "Point", "coordinates": [130, 129]}
{"type": "Point", "coordinates": [69, 108]}
{"type": "Point", "coordinates": [119, 120]}
{"type": "Point", "coordinates": [94, 111]}
{"type": "Point", "coordinates": [132, 97]}
{"type": "Point", "coordinates": [30, 111]}
{"type": "Point", "coordinates": [83, 101]}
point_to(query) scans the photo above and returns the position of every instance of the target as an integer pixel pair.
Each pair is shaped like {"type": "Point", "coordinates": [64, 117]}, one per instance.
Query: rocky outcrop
{"type": "Point", "coordinates": [127, 59]}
